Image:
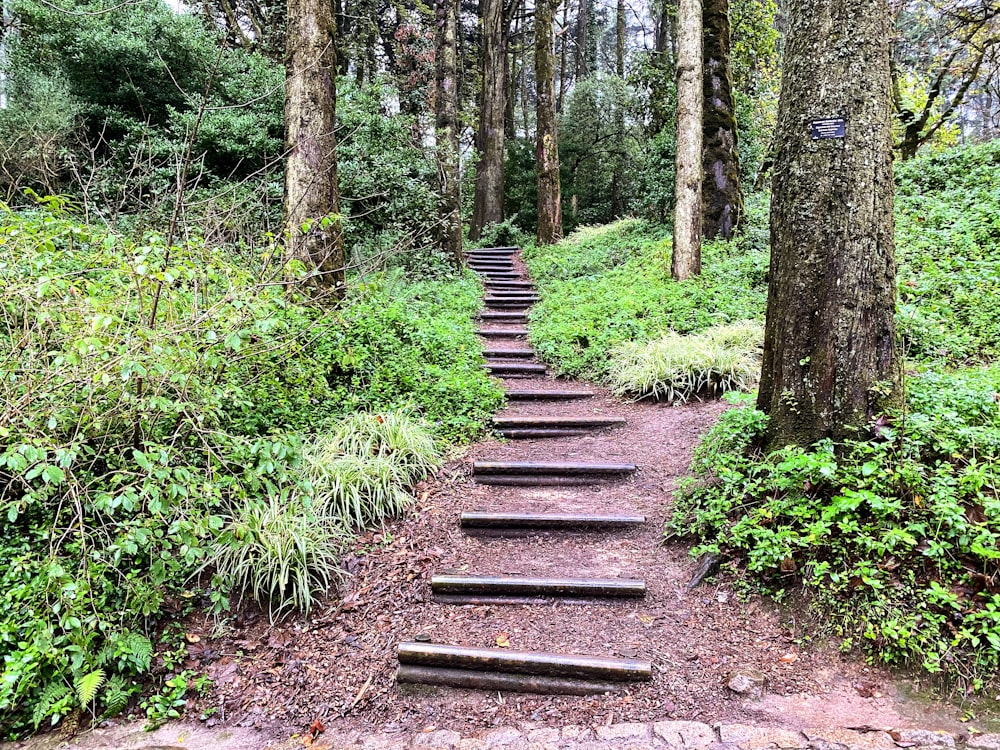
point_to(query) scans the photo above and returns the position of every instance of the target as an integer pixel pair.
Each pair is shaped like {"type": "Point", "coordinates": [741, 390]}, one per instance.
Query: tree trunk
{"type": "Point", "coordinates": [446, 127]}
{"type": "Point", "coordinates": [618, 173]}
{"type": "Point", "coordinates": [830, 358]}
{"type": "Point", "coordinates": [312, 203]}
{"type": "Point", "coordinates": [722, 196]}
{"type": "Point", "coordinates": [488, 201]}
{"type": "Point", "coordinates": [547, 142]}
{"type": "Point", "coordinates": [686, 260]}
{"type": "Point", "coordinates": [563, 58]}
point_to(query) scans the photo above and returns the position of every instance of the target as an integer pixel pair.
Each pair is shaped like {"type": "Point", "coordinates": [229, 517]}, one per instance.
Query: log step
{"type": "Point", "coordinates": [509, 353]}
{"type": "Point", "coordinates": [498, 249]}
{"type": "Point", "coordinates": [509, 305]}
{"type": "Point", "coordinates": [554, 422]}
{"type": "Point", "coordinates": [548, 521]}
{"type": "Point", "coordinates": [556, 468]}
{"type": "Point", "coordinates": [502, 333]}
{"type": "Point", "coordinates": [540, 663]}
{"type": "Point", "coordinates": [515, 368]}
{"type": "Point", "coordinates": [501, 681]}
{"type": "Point", "coordinates": [507, 315]}
{"type": "Point", "coordinates": [518, 434]}
{"type": "Point", "coordinates": [510, 285]}
{"type": "Point", "coordinates": [512, 293]}
{"type": "Point", "coordinates": [484, 268]}
{"type": "Point", "coordinates": [530, 586]}
{"type": "Point", "coordinates": [540, 395]}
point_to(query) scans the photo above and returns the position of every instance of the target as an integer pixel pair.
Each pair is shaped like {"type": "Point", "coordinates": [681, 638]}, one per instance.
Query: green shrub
{"type": "Point", "coordinates": [894, 539]}
{"type": "Point", "coordinates": [676, 368]}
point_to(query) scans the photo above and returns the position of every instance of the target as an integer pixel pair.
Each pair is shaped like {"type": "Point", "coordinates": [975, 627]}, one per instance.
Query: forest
{"type": "Point", "coordinates": [238, 321]}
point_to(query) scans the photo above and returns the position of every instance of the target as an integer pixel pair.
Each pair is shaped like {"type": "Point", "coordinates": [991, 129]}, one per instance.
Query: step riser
{"type": "Point", "coordinates": [515, 368]}
{"type": "Point", "coordinates": [610, 588]}
{"type": "Point", "coordinates": [509, 354]}
{"type": "Point", "coordinates": [530, 468]}
{"type": "Point", "coordinates": [510, 317]}
{"type": "Point", "coordinates": [500, 480]}
{"type": "Point", "coordinates": [547, 395]}
{"type": "Point", "coordinates": [478, 521]}
{"type": "Point", "coordinates": [501, 333]}
{"type": "Point", "coordinates": [541, 434]}
{"type": "Point", "coordinates": [535, 423]}
{"type": "Point", "coordinates": [498, 682]}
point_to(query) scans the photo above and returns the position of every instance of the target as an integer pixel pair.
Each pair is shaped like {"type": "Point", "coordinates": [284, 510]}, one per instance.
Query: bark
{"type": "Point", "coordinates": [446, 127]}
{"type": "Point", "coordinates": [563, 57]}
{"type": "Point", "coordinates": [830, 357]}
{"type": "Point", "coordinates": [488, 200]}
{"type": "Point", "coordinates": [686, 261]}
{"type": "Point", "coordinates": [312, 203]}
{"type": "Point", "coordinates": [617, 176]}
{"type": "Point", "coordinates": [582, 27]}
{"type": "Point", "coordinates": [722, 196]}
{"type": "Point", "coordinates": [547, 143]}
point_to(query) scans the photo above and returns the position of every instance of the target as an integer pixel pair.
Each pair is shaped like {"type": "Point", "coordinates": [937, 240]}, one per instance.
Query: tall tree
{"type": "Point", "coordinates": [830, 359]}
{"type": "Point", "coordinates": [722, 196]}
{"type": "Point", "coordinates": [312, 201]}
{"type": "Point", "coordinates": [686, 261]}
{"type": "Point", "coordinates": [546, 139]}
{"type": "Point", "coordinates": [488, 200]}
{"type": "Point", "coordinates": [446, 126]}
{"type": "Point", "coordinates": [618, 168]}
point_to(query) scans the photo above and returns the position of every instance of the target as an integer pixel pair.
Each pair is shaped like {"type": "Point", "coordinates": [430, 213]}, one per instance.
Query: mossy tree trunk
{"type": "Point", "coordinates": [686, 260]}
{"type": "Point", "coordinates": [446, 127]}
{"type": "Point", "coordinates": [830, 357]}
{"type": "Point", "coordinates": [312, 202]}
{"type": "Point", "coordinates": [488, 200]}
{"type": "Point", "coordinates": [722, 196]}
{"type": "Point", "coordinates": [547, 143]}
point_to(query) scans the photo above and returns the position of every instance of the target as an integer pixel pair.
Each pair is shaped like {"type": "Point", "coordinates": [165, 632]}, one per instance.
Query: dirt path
{"type": "Point", "coordinates": [340, 667]}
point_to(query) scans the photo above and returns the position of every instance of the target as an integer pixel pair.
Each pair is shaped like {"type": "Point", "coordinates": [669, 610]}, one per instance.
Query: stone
{"type": "Point", "coordinates": [691, 735]}
{"type": "Point", "coordinates": [984, 742]}
{"type": "Point", "coordinates": [747, 683]}
{"type": "Point", "coordinates": [442, 738]}
{"type": "Point", "coordinates": [544, 736]}
{"type": "Point", "coordinates": [506, 737]}
{"type": "Point", "coordinates": [471, 743]}
{"type": "Point", "coordinates": [573, 732]}
{"type": "Point", "coordinates": [926, 738]}
{"type": "Point", "coordinates": [761, 738]}
{"type": "Point", "coordinates": [839, 739]}
{"type": "Point", "coordinates": [623, 732]}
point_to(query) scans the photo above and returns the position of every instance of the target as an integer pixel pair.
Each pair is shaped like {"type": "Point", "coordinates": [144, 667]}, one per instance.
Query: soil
{"type": "Point", "coordinates": [340, 667]}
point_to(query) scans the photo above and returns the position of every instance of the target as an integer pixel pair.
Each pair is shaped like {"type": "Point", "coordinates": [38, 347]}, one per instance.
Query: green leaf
{"type": "Point", "coordinates": [87, 686]}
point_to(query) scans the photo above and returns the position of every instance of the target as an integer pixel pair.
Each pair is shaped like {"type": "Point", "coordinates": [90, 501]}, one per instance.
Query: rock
{"type": "Point", "coordinates": [690, 735]}
{"type": "Point", "coordinates": [839, 739]}
{"type": "Point", "coordinates": [575, 733]}
{"type": "Point", "coordinates": [506, 737]}
{"type": "Point", "coordinates": [926, 738]}
{"type": "Point", "coordinates": [761, 738]}
{"type": "Point", "coordinates": [544, 736]}
{"type": "Point", "coordinates": [471, 743]}
{"type": "Point", "coordinates": [623, 732]}
{"type": "Point", "coordinates": [442, 738]}
{"type": "Point", "coordinates": [984, 742]}
{"type": "Point", "coordinates": [747, 683]}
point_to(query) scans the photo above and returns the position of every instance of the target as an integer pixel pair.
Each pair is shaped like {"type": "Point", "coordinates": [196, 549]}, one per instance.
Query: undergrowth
{"type": "Point", "coordinates": [161, 409]}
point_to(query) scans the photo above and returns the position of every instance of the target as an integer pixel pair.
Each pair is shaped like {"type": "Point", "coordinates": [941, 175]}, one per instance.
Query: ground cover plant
{"type": "Point", "coordinates": [165, 411]}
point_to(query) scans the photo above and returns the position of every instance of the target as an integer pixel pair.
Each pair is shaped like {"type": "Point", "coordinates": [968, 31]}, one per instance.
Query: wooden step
{"type": "Point", "coordinates": [501, 682]}
{"type": "Point", "coordinates": [509, 353]}
{"type": "Point", "coordinates": [541, 434]}
{"type": "Point", "coordinates": [508, 249]}
{"type": "Point", "coordinates": [515, 368]}
{"type": "Point", "coordinates": [499, 275]}
{"type": "Point", "coordinates": [508, 304]}
{"type": "Point", "coordinates": [548, 521]}
{"type": "Point", "coordinates": [551, 468]}
{"type": "Point", "coordinates": [502, 333]}
{"type": "Point", "coordinates": [512, 661]}
{"type": "Point", "coordinates": [511, 293]}
{"type": "Point", "coordinates": [511, 316]}
{"type": "Point", "coordinates": [581, 588]}
{"type": "Point", "coordinates": [544, 395]}
{"type": "Point", "coordinates": [567, 422]}
{"type": "Point", "coordinates": [490, 268]}
{"type": "Point", "coordinates": [510, 285]}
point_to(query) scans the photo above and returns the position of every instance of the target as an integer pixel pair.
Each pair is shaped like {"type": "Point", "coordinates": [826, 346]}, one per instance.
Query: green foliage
{"type": "Point", "coordinates": [948, 240]}
{"type": "Point", "coordinates": [895, 539]}
{"type": "Point", "coordinates": [134, 446]}
{"type": "Point", "coordinates": [676, 368]}
{"type": "Point", "coordinates": [604, 286]}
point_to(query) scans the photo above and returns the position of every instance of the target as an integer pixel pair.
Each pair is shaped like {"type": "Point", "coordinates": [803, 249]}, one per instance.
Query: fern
{"type": "Point", "coordinates": [53, 693]}
{"type": "Point", "coordinates": [86, 687]}
{"type": "Point", "coordinates": [116, 696]}
{"type": "Point", "coordinates": [140, 650]}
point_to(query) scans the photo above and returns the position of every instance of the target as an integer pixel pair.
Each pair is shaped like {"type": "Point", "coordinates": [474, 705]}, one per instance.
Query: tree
{"type": "Point", "coordinates": [312, 202]}
{"type": "Point", "coordinates": [446, 126]}
{"type": "Point", "coordinates": [488, 199]}
{"type": "Point", "coordinates": [547, 142]}
{"type": "Point", "coordinates": [830, 359]}
{"type": "Point", "coordinates": [686, 261]}
{"type": "Point", "coordinates": [722, 197]}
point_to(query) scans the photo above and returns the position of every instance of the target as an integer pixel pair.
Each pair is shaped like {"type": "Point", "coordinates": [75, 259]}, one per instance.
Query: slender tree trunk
{"type": "Point", "coordinates": [582, 22]}
{"type": "Point", "coordinates": [446, 126]}
{"type": "Point", "coordinates": [563, 58]}
{"type": "Point", "coordinates": [488, 201]}
{"type": "Point", "coordinates": [618, 176]}
{"type": "Point", "coordinates": [722, 195]}
{"type": "Point", "coordinates": [547, 142]}
{"type": "Point", "coordinates": [513, 75]}
{"type": "Point", "coordinates": [830, 358]}
{"type": "Point", "coordinates": [663, 62]}
{"type": "Point", "coordinates": [620, 39]}
{"type": "Point", "coordinates": [312, 203]}
{"type": "Point", "coordinates": [686, 261]}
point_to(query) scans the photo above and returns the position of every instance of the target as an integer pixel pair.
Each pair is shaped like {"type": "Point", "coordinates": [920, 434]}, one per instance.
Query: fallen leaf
{"type": "Point", "coordinates": [503, 640]}
{"type": "Point", "coordinates": [789, 658]}
{"type": "Point", "coordinates": [192, 637]}
{"type": "Point", "coordinates": [316, 727]}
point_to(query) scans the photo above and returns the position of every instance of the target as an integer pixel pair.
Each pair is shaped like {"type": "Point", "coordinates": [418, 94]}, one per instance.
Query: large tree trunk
{"type": "Point", "coordinates": [722, 197]}
{"type": "Point", "coordinates": [686, 261]}
{"type": "Point", "coordinates": [446, 127]}
{"type": "Point", "coordinates": [618, 176]}
{"type": "Point", "coordinates": [312, 203]}
{"type": "Point", "coordinates": [547, 142]}
{"type": "Point", "coordinates": [488, 201]}
{"type": "Point", "coordinates": [580, 56]}
{"type": "Point", "coordinates": [830, 358]}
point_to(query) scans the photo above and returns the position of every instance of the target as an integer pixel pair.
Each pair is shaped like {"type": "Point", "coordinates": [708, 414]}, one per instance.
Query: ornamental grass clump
{"type": "Point", "coordinates": [676, 368]}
